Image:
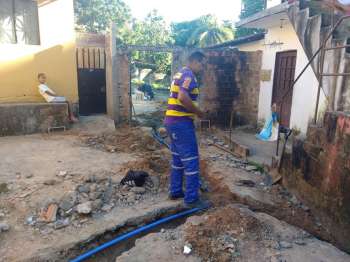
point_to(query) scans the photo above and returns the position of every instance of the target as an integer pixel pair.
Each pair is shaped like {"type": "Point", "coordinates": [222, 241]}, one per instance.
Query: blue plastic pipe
{"type": "Point", "coordinates": [134, 233]}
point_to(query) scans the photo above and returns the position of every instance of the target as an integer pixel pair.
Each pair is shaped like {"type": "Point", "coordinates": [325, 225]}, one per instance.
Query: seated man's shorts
{"type": "Point", "coordinates": [59, 99]}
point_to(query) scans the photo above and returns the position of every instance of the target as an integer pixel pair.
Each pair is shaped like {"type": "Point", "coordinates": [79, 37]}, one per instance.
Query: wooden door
{"type": "Point", "coordinates": [283, 80]}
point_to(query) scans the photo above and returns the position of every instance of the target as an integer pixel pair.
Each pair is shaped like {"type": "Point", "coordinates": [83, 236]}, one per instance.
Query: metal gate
{"type": "Point", "coordinates": [91, 64]}
{"type": "Point", "coordinates": [283, 80]}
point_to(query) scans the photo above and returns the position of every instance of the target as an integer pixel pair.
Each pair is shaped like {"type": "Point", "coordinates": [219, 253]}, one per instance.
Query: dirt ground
{"type": "Point", "coordinates": [58, 172]}
{"type": "Point", "coordinates": [60, 195]}
{"type": "Point", "coordinates": [233, 233]}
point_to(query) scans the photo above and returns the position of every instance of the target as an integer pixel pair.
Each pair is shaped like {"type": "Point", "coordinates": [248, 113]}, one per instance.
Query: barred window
{"type": "Point", "coordinates": [19, 22]}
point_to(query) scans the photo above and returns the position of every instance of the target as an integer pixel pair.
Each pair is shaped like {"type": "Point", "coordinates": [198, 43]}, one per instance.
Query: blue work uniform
{"type": "Point", "coordinates": [181, 130]}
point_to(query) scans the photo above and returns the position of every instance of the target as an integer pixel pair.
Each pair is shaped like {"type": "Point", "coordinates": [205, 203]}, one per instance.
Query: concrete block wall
{"type": "Point", "coordinates": [318, 171]}
{"type": "Point", "coordinates": [29, 118]}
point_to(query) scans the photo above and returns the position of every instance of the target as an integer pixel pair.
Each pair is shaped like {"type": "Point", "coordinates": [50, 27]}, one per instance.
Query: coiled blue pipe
{"type": "Point", "coordinates": [134, 233]}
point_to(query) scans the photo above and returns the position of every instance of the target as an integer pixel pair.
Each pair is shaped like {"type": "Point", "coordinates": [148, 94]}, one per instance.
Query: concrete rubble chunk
{"type": "Point", "coordinates": [107, 208]}
{"type": "Point", "coordinates": [4, 227]}
{"type": "Point", "coordinates": [83, 189]}
{"type": "Point", "coordinates": [138, 190]}
{"type": "Point", "coordinates": [59, 224]}
{"type": "Point", "coordinates": [50, 182]}
{"type": "Point", "coordinates": [97, 204]}
{"type": "Point", "coordinates": [3, 188]}
{"type": "Point", "coordinates": [251, 168]}
{"type": "Point", "coordinates": [62, 173]}
{"type": "Point", "coordinates": [285, 244]}
{"type": "Point", "coordinates": [66, 204]}
{"type": "Point", "coordinates": [84, 208]}
{"type": "Point", "coordinates": [29, 176]}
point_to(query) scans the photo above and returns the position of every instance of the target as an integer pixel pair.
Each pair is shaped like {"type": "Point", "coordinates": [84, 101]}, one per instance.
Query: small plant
{"type": "Point", "coordinates": [296, 131]}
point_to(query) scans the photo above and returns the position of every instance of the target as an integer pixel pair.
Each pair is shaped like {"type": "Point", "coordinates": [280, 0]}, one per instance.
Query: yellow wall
{"type": "Point", "coordinates": [55, 56]}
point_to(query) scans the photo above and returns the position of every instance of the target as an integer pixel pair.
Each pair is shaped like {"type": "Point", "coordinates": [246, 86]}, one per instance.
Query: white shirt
{"type": "Point", "coordinates": [42, 89]}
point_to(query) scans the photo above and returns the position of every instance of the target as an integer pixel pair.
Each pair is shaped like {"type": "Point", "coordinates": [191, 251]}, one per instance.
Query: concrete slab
{"type": "Point", "coordinates": [260, 151]}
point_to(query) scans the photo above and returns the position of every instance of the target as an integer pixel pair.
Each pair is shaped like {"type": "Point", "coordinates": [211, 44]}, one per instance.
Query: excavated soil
{"type": "Point", "coordinates": [216, 238]}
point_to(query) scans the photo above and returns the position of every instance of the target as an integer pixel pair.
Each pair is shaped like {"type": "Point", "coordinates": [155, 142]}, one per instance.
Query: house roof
{"type": "Point", "coordinates": [266, 18]}
{"type": "Point", "coordinates": [44, 2]}
{"type": "Point", "coordinates": [240, 41]}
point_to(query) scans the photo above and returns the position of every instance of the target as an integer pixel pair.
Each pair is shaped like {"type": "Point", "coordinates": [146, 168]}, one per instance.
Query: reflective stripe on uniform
{"type": "Point", "coordinates": [191, 173]}
{"type": "Point", "coordinates": [189, 158]}
{"type": "Point", "coordinates": [174, 153]}
{"type": "Point", "coordinates": [177, 167]}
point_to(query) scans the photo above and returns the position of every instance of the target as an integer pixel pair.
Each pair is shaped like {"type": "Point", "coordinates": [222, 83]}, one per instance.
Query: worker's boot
{"type": "Point", "coordinates": [177, 196]}
{"type": "Point", "coordinates": [200, 203]}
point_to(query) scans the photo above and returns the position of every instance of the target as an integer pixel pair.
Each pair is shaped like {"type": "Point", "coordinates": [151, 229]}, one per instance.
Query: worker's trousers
{"type": "Point", "coordinates": [185, 160]}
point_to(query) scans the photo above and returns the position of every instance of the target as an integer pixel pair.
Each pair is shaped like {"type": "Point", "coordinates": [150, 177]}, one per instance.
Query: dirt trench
{"type": "Point", "coordinates": [222, 198]}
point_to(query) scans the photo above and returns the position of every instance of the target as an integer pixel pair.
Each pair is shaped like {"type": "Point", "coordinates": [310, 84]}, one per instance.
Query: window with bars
{"type": "Point", "coordinates": [19, 22]}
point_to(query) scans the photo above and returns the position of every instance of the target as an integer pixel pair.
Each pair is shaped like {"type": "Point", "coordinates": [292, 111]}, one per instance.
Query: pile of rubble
{"type": "Point", "coordinates": [128, 140]}
{"type": "Point", "coordinates": [91, 198]}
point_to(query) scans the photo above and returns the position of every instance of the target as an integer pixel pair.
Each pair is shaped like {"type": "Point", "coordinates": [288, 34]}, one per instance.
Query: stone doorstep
{"type": "Point", "coordinates": [237, 148]}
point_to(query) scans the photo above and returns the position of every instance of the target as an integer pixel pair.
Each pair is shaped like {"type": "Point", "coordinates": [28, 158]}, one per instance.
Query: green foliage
{"type": "Point", "coordinates": [250, 7]}
{"type": "Point", "coordinates": [96, 15]}
{"type": "Point", "coordinates": [151, 31]}
{"type": "Point", "coordinates": [202, 32]}
{"type": "Point", "coordinates": [136, 81]}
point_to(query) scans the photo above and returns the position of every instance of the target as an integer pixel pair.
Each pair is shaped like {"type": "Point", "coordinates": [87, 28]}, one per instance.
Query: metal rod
{"type": "Point", "coordinates": [83, 55]}
{"type": "Point", "coordinates": [94, 53]}
{"type": "Point", "coordinates": [89, 57]}
{"type": "Point", "coordinates": [337, 47]}
{"type": "Point", "coordinates": [335, 74]}
{"type": "Point", "coordinates": [77, 57]}
{"type": "Point", "coordinates": [320, 83]}
{"type": "Point", "coordinates": [314, 56]}
{"type": "Point", "coordinates": [99, 58]}
{"type": "Point", "coordinates": [104, 58]}
{"type": "Point", "coordinates": [14, 26]}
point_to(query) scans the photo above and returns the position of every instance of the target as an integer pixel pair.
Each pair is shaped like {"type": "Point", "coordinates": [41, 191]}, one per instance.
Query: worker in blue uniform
{"type": "Point", "coordinates": [181, 112]}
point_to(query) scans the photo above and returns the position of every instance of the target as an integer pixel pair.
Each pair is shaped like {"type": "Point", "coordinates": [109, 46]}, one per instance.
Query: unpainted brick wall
{"type": "Point", "coordinates": [318, 171]}
{"type": "Point", "coordinates": [231, 81]}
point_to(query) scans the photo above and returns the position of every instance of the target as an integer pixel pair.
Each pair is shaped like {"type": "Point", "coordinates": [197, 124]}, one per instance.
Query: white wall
{"type": "Point", "coordinates": [271, 3]}
{"type": "Point", "coordinates": [305, 90]}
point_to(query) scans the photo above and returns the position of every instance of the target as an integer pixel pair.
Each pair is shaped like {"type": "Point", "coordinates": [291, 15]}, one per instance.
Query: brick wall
{"type": "Point", "coordinates": [318, 171]}
{"type": "Point", "coordinates": [231, 80]}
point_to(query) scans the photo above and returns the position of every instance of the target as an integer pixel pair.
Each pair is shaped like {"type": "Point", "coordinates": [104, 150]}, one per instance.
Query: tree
{"type": "Point", "coordinates": [202, 32]}
{"type": "Point", "coordinates": [151, 31]}
{"type": "Point", "coordinates": [249, 8]}
{"type": "Point", "coordinates": [96, 15]}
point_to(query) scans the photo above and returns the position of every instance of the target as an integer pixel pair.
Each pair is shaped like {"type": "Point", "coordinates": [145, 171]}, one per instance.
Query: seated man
{"type": "Point", "coordinates": [51, 97]}
{"type": "Point", "coordinates": [147, 90]}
